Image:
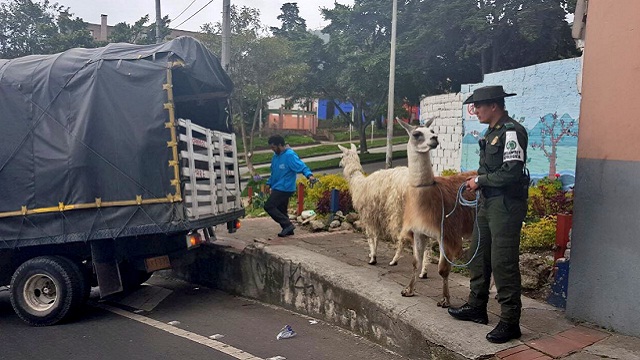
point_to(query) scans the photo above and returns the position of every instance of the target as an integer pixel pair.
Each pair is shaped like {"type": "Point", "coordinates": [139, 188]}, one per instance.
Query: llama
{"type": "Point", "coordinates": [427, 199]}
{"type": "Point", "coordinates": [379, 199]}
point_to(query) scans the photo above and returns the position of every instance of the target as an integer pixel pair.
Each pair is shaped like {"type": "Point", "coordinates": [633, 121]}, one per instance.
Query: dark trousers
{"type": "Point", "coordinates": [499, 221]}
{"type": "Point", "coordinates": [276, 206]}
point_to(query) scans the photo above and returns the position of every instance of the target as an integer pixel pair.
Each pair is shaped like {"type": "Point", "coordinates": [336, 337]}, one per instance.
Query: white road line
{"type": "Point", "coordinates": [216, 345]}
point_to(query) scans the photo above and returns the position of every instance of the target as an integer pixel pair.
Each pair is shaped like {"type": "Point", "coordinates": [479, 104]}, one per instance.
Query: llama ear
{"type": "Point", "coordinates": [407, 127]}
{"type": "Point", "coordinates": [344, 149]}
{"type": "Point", "coordinates": [354, 148]}
{"type": "Point", "coordinates": [429, 121]}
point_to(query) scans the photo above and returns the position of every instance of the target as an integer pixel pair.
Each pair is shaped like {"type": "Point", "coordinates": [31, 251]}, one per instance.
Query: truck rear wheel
{"type": "Point", "coordinates": [45, 290]}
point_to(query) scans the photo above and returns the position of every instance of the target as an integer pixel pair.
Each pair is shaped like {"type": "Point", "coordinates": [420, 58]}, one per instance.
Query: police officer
{"type": "Point", "coordinates": [503, 181]}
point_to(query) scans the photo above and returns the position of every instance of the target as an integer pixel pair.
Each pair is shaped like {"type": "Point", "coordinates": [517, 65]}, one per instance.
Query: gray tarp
{"type": "Point", "coordinates": [90, 123]}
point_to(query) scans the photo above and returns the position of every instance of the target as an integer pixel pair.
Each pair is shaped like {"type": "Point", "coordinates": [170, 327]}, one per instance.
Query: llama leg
{"type": "Point", "coordinates": [399, 246]}
{"type": "Point", "coordinates": [409, 290]}
{"type": "Point", "coordinates": [421, 241]}
{"type": "Point", "coordinates": [444, 268]}
{"type": "Point", "coordinates": [426, 257]}
{"type": "Point", "coordinates": [373, 245]}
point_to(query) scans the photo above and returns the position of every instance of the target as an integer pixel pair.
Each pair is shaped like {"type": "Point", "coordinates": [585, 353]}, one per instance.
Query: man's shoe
{"type": "Point", "coordinates": [504, 332]}
{"type": "Point", "coordinates": [287, 231]}
{"type": "Point", "coordinates": [467, 312]}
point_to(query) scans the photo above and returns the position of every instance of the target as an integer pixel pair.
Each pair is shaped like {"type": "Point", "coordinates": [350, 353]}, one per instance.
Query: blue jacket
{"type": "Point", "coordinates": [284, 168]}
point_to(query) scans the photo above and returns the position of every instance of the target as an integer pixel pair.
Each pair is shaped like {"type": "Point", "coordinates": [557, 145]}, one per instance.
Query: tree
{"type": "Point", "coordinates": [139, 32]}
{"type": "Point", "coordinates": [309, 48]}
{"type": "Point", "coordinates": [28, 28]}
{"type": "Point", "coordinates": [262, 68]}
{"type": "Point", "coordinates": [357, 62]}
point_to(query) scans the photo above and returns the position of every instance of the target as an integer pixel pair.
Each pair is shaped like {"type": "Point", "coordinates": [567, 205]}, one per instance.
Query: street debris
{"type": "Point", "coordinates": [216, 336]}
{"type": "Point", "coordinates": [313, 322]}
{"type": "Point", "coordinates": [286, 333]}
{"type": "Point", "coordinates": [173, 323]}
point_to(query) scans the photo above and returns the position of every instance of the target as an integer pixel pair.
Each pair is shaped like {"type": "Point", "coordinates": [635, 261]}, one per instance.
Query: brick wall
{"type": "Point", "coordinates": [448, 125]}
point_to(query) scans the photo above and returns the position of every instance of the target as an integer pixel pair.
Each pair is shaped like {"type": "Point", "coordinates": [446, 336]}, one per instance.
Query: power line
{"type": "Point", "coordinates": [196, 13]}
{"type": "Point", "coordinates": [187, 8]}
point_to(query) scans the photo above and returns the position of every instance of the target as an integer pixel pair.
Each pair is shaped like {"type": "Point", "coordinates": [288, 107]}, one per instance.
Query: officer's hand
{"type": "Point", "coordinates": [471, 184]}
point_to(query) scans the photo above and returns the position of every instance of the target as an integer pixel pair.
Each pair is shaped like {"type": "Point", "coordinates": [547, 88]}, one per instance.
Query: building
{"type": "Point", "coordinates": [101, 32]}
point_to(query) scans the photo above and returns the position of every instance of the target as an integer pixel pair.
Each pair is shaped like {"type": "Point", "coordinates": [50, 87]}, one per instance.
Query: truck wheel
{"type": "Point", "coordinates": [85, 282]}
{"type": "Point", "coordinates": [45, 290]}
{"type": "Point", "coordinates": [131, 277]}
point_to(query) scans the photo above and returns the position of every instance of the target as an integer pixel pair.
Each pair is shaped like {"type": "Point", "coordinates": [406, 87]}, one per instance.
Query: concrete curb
{"type": "Point", "coordinates": [354, 298]}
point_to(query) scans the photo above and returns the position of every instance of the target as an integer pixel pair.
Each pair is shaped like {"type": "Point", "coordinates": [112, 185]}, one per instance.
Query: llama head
{"type": "Point", "coordinates": [421, 138]}
{"type": "Point", "coordinates": [350, 161]}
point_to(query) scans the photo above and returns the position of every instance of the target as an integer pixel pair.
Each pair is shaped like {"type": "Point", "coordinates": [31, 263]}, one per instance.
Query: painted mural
{"type": "Point", "coordinates": [547, 105]}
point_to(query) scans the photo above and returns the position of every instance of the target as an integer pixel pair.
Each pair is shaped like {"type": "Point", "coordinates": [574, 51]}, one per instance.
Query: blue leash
{"type": "Point", "coordinates": [463, 202]}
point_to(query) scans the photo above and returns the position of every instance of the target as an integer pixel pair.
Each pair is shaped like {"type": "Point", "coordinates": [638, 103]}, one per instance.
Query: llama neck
{"type": "Point", "coordinates": [420, 169]}
{"type": "Point", "coordinates": [352, 168]}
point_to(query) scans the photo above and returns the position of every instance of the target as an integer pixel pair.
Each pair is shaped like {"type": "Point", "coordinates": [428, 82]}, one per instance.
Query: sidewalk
{"type": "Point", "coordinates": [326, 275]}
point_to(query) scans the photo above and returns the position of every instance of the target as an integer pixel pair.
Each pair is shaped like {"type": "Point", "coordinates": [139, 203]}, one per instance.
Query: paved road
{"type": "Point", "coordinates": [106, 331]}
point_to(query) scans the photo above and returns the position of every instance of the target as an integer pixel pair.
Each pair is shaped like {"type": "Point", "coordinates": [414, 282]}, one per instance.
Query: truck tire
{"type": "Point", "coordinates": [45, 290]}
{"type": "Point", "coordinates": [131, 277]}
{"type": "Point", "coordinates": [83, 276]}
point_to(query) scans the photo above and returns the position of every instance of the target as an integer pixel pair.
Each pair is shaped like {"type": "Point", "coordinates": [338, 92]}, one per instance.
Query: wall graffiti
{"type": "Point", "coordinates": [547, 105]}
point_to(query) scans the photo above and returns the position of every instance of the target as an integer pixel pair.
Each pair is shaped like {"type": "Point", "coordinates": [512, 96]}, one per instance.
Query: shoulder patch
{"type": "Point", "coordinates": [509, 126]}
{"type": "Point", "coordinates": [512, 149]}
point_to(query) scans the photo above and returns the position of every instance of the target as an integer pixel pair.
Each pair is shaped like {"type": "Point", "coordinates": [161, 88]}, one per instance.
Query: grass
{"type": "Point", "coordinates": [265, 158]}
{"type": "Point", "coordinates": [334, 163]}
{"type": "Point", "coordinates": [291, 139]}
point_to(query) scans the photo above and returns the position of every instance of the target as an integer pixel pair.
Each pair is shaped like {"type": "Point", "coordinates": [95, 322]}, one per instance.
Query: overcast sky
{"type": "Point", "coordinates": [131, 10]}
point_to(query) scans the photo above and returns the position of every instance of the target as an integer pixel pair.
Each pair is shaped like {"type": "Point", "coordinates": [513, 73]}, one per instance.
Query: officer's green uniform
{"type": "Point", "coordinates": [503, 206]}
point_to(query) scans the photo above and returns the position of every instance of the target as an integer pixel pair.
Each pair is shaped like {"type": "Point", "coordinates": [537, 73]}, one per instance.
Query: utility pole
{"type": "Point", "coordinates": [392, 81]}
{"type": "Point", "coordinates": [158, 22]}
{"type": "Point", "coordinates": [226, 34]}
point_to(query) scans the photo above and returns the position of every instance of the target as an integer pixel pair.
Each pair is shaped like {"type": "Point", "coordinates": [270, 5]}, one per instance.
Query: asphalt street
{"type": "Point", "coordinates": [206, 324]}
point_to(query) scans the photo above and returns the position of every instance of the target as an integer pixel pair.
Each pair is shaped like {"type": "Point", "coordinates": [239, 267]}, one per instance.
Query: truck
{"type": "Point", "coordinates": [115, 162]}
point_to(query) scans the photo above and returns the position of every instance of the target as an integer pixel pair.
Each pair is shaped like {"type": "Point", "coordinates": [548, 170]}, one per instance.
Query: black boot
{"type": "Point", "coordinates": [470, 313]}
{"type": "Point", "coordinates": [287, 231]}
{"type": "Point", "coordinates": [504, 332]}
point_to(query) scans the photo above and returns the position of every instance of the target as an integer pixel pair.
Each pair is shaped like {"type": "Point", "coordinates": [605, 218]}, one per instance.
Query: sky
{"type": "Point", "coordinates": [131, 10]}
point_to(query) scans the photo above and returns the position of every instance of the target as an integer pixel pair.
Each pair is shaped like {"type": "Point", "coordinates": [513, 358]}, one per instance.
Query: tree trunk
{"type": "Point", "coordinates": [552, 162]}
{"type": "Point", "coordinates": [248, 153]}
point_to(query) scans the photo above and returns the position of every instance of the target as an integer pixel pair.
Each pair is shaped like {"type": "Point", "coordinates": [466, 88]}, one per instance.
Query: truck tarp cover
{"type": "Point", "coordinates": [89, 124]}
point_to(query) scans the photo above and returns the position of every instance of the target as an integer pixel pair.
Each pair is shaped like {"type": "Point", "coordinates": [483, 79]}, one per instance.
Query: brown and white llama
{"type": "Point", "coordinates": [379, 200]}
{"type": "Point", "coordinates": [427, 199]}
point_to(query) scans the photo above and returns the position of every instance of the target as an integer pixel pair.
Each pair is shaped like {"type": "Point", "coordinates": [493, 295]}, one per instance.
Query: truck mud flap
{"type": "Point", "coordinates": [106, 267]}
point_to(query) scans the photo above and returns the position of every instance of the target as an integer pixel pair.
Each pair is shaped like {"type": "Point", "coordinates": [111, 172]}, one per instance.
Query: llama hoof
{"type": "Point", "coordinates": [373, 261]}
{"type": "Point", "coordinates": [423, 276]}
{"type": "Point", "coordinates": [444, 303]}
{"type": "Point", "coordinates": [407, 293]}
{"type": "Point", "coordinates": [393, 263]}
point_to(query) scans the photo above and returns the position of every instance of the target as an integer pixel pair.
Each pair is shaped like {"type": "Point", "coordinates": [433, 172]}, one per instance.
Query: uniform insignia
{"type": "Point", "coordinates": [512, 149]}
{"type": "Point", "coordinates": [498, 126]}
{"type": "Point", "coordinates": [509, 126]}
{"type": "Point", "coordinates": [494, 141]}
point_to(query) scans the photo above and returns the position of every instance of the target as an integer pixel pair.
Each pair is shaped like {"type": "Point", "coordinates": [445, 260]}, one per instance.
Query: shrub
{"type": "Point", "coordinates": [256, 183]}
{"type": "Point", "coordinates": [325, 183]}
{"type": "Point", "coordinates": [539, 235]}
{"type": "Point", "coordinates": [547, 198]}
{"type": "Point", "coordinates": [344, 202]}
{"type": "Point", "coordinates": [449, 172]}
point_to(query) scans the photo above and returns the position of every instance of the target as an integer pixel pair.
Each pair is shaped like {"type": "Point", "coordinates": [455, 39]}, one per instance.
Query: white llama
{"type": "Point", "coordinates": [379, 200]}
{"type": "Point", "coordinates": [425, 197]}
